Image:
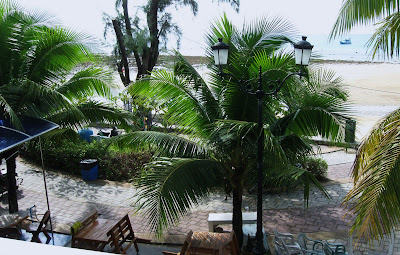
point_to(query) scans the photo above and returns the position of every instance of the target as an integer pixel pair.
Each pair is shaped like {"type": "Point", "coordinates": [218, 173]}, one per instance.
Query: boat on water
{"type": "Point", "coordinates": [345, 41]}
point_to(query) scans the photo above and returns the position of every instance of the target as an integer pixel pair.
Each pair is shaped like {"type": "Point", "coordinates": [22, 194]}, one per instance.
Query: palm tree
{"type": "Point", "coordinates": [374, 199]}
{"type": "Point", "coordinates": [383, 13]}
{"type": "Point", "coordinates": [46, 72]}
{"type": "Point", "coordinates": [215, 124]}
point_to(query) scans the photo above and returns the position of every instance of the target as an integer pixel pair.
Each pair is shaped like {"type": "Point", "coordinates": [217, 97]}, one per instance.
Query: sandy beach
{"type": "Point", "coordinates": [374, 90]}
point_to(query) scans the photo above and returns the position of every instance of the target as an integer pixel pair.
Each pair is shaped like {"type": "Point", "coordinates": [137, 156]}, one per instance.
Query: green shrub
{"type": "Point", "coordinates": [317, 166]}
{"type": "Point", "coordinates": [66, 156]}
{"type": "Point", "coordinates": [122, 166]}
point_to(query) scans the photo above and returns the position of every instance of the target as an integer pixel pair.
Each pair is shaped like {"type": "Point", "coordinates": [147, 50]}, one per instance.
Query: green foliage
{"type": "Point", "coordinates": [49, 72]}
{"type": "Point", "coordinates": [374, 199]}
{"type": "Point", "coordinates": [143, 38]}
{"type": "Point", "coordinates": [382, 13]}
{"type": "Point", "coordinates": [215, 123]}
{"type": "Point", "coordinates": [65, 156]}
{"type": "Point", "coordinates": [317, 166]}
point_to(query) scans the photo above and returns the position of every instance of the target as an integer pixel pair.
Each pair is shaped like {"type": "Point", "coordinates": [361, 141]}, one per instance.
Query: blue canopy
{"type": "Point", "coordinates": [32, 128]}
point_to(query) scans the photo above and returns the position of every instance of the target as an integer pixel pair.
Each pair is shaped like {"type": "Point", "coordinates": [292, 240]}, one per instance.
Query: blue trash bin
{"type": "Point", "coordinates": [89, 169]}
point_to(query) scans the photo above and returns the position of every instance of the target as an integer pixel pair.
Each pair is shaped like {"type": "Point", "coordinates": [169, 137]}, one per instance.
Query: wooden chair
{"type": "Point", "coordinates": [36, 228]}
{"type": "Point", "coordinates": [234, 244]}
{"type": "Point", "coordinates": [79, 226]}
{"type": "Point", "coordinates": [184, 246]}
{"type": "Point", "coordinates": [122, 233]}
{"type": "Point", "coordinates": [10, 226]}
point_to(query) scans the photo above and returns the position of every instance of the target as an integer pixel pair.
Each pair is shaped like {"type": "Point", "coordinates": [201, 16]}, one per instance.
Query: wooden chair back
{"type": "Point", "coordinates": [41, 227]}
{"type": "Point", "coordinates": [79, 226]}
{"type": "Point", "coordinates": [185, 245]}
{"type": "Point", "coordinates": [234, 244]}
{"type": "Point", "coordinates": [89, 219]}
{"type": "Point", "coordinates": [44, 221]}
{"type": "Point", "coordinates": [122, 233]}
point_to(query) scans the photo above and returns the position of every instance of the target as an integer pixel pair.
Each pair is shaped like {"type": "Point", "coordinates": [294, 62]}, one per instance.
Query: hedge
{"type": "Point", "coordinates": [65, 156]}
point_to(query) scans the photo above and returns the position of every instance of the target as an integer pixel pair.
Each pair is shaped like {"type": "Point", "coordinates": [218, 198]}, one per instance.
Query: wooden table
{"type": "Point", "coordinates": [212, 243]}
{"type": "Point", "coordinates": [95, 235]}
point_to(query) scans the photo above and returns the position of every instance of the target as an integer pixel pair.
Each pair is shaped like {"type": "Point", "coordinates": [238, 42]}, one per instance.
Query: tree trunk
{"type": "Point", "coordinates": [126, 18]}
{"type": "Point", "coordinates": [124, 74]}
{"type": "Point", "coordinates": [237, 221]}
{"type": "Point", "coordinates": [11, 181]}
{"type": "Point", "coordinates": [152, 23]}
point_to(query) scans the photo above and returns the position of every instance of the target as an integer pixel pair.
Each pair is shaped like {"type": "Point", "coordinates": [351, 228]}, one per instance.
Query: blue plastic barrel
{"type": "Point", "coordinates": [89, 169]}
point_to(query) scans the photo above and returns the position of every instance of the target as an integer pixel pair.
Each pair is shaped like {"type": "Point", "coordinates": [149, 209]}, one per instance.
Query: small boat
{"type": "Point", "coordinates": [345, 41]}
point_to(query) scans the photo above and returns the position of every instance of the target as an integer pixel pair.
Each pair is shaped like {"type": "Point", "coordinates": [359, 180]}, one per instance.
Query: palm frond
{"type": "Point", "coordinates": [228, 135]}
{"type": "Point", "coordinates": [91, 112]}
{"type": "Point", "coordinates": [57, 51]}
{"type": "Point", "coordinates": [165, 144]}
{"type": "Point", "coordinates": [308, 180]}
{"type": "Point", "coordinates": [319, 116]}
{"type": "Point", "coordinates": [265, 33]}
{"type": "Point", "coordinates": [185, 107]}
{"type": "Point", "coordinates": [385, 41]}
{"type": "Point", "coordinates": [6, 109]}
{"type": "Point", "coordinates": [172, 186]}
{"type": "Point", "coordinates": [86, 83]}
{"type": "Point", "coordinates": [204, 92]}
{"type": "Point", "coordinates": [374, 198]}
{"type": "Point", "coordinates": [62, 134]}
{"type": "Point", "coordinates": [361, 12]}
{"type": "Point", "coordinates": [325, 81]}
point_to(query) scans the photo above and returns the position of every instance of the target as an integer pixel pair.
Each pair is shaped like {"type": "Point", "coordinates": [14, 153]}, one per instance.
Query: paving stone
{"type": "Point", "coordinates": [71, 198]}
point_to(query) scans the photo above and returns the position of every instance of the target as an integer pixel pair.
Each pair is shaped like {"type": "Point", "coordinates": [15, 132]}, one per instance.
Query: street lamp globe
{"type": "Point", "coordinates": [220, 51]}
{"type": "Point", "coordinates": [302, 52]}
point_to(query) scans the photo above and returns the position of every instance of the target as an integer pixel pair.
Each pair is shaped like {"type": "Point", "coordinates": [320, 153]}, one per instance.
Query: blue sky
{"type": "Point", "coordinates": [309, 16]}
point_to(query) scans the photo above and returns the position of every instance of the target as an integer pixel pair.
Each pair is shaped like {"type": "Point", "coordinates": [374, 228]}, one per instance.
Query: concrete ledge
{"type": "Point", "coordinates": [215, 219]}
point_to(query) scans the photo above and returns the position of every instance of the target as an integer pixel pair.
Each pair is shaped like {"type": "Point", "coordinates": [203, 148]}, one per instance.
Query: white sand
{"type": "Point", "coordinates": [374, 90]}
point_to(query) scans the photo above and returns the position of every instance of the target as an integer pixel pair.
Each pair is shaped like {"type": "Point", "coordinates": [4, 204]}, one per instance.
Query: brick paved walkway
{"type": "Point", "coordinates": [71, 197]}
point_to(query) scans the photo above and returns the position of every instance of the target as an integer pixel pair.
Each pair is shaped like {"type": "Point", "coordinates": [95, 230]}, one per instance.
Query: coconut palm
{"type": "Point", "coordinates": [374, 198]}
{"type": "Point", "coordinates": [46, 72]}
{"type": "Point", "coordinates": [215, 123]}
{"type": "Point", "coordinates": [385, 14]}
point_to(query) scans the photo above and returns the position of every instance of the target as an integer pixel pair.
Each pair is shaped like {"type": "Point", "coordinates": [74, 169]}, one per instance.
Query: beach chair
{"type": "Point", "coordinates": [36, 228]}
{"type": "Point", "coordinates": [310, 246]}
{"type": "Point", "coordinates": [334, 248]}
{"type": "Point", "coordinates": [184, 246]}
{"type": "Point", "coordinates": [285, 244]}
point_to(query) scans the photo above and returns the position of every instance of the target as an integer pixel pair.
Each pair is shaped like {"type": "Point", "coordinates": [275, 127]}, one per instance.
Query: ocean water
{"type": "Point", "coordinates": [333, 50]}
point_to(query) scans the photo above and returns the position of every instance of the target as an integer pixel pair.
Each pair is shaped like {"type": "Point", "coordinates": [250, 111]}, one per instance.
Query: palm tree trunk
{"type": "Point", "coordinates": [237, 221]}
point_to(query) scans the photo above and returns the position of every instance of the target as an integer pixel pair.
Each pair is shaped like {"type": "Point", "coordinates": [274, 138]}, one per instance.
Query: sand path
{"type": "Point", "coordinates": [374, 90]}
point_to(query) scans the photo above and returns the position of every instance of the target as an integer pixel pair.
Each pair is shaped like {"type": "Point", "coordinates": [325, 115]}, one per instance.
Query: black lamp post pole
{"type": "Point", "coordinates": [259, 249]}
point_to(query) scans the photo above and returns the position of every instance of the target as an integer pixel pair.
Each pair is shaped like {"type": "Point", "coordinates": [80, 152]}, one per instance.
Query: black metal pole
{"type": "Point", "coordinates": [259, 249]}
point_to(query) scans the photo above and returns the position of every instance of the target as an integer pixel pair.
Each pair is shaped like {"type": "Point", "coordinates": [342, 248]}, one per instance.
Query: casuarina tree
{"type": "Point", "coordinates": [142, 39]}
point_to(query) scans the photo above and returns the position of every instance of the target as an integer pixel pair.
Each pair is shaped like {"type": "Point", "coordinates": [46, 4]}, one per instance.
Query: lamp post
{"type": "Point", "coordinates": [302, 51]}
